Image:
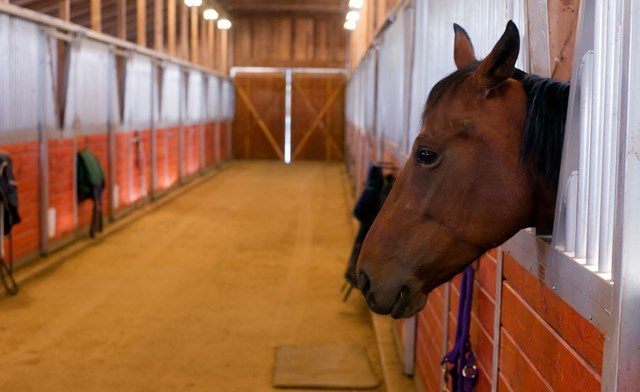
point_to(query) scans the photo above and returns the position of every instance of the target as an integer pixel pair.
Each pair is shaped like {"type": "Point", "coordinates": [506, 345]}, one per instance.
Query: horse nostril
{"type": "Point", "coordinates": [364, 284]}
{"type": "Point", "coordinates": [405, 292]}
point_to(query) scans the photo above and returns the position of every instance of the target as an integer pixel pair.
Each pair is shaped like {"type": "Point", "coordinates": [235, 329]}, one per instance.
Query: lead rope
{"type": "Point", "coordinates": [463, 370]}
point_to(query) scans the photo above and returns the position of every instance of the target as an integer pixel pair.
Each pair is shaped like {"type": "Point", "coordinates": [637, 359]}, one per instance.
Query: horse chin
{"type": "Point", "coordinates": [410, 308]}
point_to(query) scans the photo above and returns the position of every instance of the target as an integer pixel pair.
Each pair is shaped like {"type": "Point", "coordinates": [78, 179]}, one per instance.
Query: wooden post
{"type": "Point", "coordinates": [158, 24]}
{"type": "Point", "coordinates": [194, 35]}
{"type": "Point", "coordinates": [121, 19]}
{"type": "Point", "coordinates": [141, 22]}
{"type": "Point", "coordinates": [224, 50]}
{"type": "Point", "coordinates": [211, 44]}
{"type": "Point", "coordinates": [64, 10]}
{"type": "Point", "coordinates": [96, 17]}
{"type": "Point", "coordinates": [184, 40]}
{"type": "Point", "coordinates": [204, 48]}
{"type": "Point", "coordinates": [171, 27]}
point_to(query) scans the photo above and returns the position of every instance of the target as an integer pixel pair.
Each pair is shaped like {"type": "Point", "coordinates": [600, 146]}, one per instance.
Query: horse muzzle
{"type": "Point", "coordinates": [399, 300]}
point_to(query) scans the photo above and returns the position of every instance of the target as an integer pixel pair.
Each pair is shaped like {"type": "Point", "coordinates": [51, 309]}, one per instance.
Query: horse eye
{"type": "Point", "coordinates": [427, 157]}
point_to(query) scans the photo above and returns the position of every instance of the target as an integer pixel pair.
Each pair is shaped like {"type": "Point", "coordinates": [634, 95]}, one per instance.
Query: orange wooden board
{"type": "Point", "coordinates": [258, 126]}
{"type": "Point", "coordinates": [317, 123]}
{"type": "Point", "coordinates": [558, 363]}
{"type": "Point", "coordinates": [575, 329]}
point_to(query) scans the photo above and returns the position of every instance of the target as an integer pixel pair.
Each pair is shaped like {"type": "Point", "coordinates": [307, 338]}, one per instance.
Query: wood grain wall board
{"type": "Point", "coordinates": [559, 364]}
{"type": "Point", "coordinates": [289, 40]}
{"type": "Point", "coordinates": [282, 37]}
{"type": "Point", "coordinates": [575, 329]}
{"type": "Point", "coordinates": [563, 23]}
{"type": "Point", "coordinates": [317, 116]}
{"type": "Point", "coordinates": [503, 385]}
{"type": "Point", "coordinates": [486, 274]}
{"type": "Point", "coordinates": [266, 95]}
{"type": "Point", "coordinates": [303, 39]}
{"type": "Point", "coordinates": [517, 371]}
{"type": "Point", "coordinates": [427, 366]}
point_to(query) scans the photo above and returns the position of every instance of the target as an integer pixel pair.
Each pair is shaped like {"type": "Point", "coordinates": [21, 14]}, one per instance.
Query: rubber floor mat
{"type": "Point", "coordinates": [331, 366]}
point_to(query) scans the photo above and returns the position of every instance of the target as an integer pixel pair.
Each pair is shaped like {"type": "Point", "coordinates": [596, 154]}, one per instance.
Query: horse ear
{"type": "Point", "coordinates": [463, 53]}
{"type": "Point", "coordinates": [500, 64]}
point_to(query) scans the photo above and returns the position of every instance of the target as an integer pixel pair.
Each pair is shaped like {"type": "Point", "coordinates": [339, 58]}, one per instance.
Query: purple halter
{"type": "Point", "coordinates": [463, 370]}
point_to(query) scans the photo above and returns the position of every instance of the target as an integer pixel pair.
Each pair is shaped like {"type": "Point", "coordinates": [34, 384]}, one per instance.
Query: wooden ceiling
{"type": "Point", "coordinates": [306, 6]}
{"type": "Point", "coordinates": [81, 14]}
{"type": "Point", "coordinates": [81, 10]}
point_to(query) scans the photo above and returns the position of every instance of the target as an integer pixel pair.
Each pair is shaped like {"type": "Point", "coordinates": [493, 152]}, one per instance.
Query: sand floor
{"type": "Point", "coordinates": [194, 295]}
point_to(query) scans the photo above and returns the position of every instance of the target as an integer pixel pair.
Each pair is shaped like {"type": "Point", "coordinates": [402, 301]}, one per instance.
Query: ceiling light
{"type": "Point", "coordinates": [210, 14]}
{"type": "Point", "coordinates": [224, 24]}
{"type": "Point", "coordinates": [353, 16]}
{"type": "Point", "coordinates": [356, 4]}
{"type": "Point", "coordinates": [193, 3]}
{"type": "Point", "coordinates": [350, 25]}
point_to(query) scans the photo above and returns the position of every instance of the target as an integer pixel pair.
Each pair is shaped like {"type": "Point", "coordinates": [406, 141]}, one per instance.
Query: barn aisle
{"type": "Point", "coordinates": [195, 295]}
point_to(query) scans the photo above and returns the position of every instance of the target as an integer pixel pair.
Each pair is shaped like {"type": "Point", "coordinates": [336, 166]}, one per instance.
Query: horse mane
{"type": "Point", "coordinates": [543, 136]}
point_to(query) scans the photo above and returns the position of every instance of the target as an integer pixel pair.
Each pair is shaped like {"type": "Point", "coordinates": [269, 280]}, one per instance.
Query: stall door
{"type": "Point", "coordinates": [317, 117]}
{"type": "Point", "coordinates": [259, 122]}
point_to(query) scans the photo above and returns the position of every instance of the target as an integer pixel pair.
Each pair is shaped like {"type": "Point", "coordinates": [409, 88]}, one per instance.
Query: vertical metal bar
{"type": "Point", "coordinates": [595, 176]}
{"type": "Point", "coordinates": [408, 79]}
{"type": "Point", "coordinates": [228, 119]}
{"type": "Point", "coordinates": [75, 47]}
{"type": "Point", "coordinates": [111, 136]}
{"type": "Point", "coordinates": [610, 145]}
{"type": "Point", "coordinates": [182, 106]}
{"type": "Point", "coordinates": [377, 138]}
{"type": "Point", "coordinates": [409, 345]}
{"type": "Point", "coordinates": [621, 360]}
{"type": "Point", "coordinates": [203, 122]}
{"type": "Point", "coordinates": [43, 146]}
{"type": "Point", "coordinates": [571, 208]}
{"type": "Point", "coordinates": [287, 116]}
{"type": "Point", "coordinates": [154, 148]}
{"type": "Point", "coordinates": [497, 311]}
{"type": "Point", "coordinates": [586, 95]}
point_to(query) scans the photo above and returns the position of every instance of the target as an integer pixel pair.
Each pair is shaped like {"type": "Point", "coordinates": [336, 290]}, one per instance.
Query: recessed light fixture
{"type": "Point", "coordinates": [193, 3]}
{"type": "Point", "coordinates": [350, 25]}
{"type": "Point", "coordinates": [353, 16]}
{"type": "Point", "coordinates": [224, 24]}
{"type": "Point", "coordinates": [210, 14]}
{"type": "Point", "coordinates": [356, 4]}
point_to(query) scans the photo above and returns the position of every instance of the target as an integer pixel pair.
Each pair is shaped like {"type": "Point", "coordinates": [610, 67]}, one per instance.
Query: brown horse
{"type": "Point", "coordinates": [484, 166]}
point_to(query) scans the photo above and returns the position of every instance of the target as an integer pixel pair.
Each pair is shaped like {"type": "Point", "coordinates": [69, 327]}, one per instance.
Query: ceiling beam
{"type": "Point", "coordinates": [322, 6]}
{"type": "Point", "coordinates": [96, 17]}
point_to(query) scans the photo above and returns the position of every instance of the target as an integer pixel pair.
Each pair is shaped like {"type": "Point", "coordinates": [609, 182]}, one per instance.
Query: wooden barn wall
{"type": "Point", "coordinates": [540, 342]}
{"type": "Point", "coordinates": [317, 116]}
{"type": "Point", "coordinates": [258, 126]}
{"type": "Point", "coordinates": [563, 23]}
{"type": "Point", "coordinates": [289, 40]}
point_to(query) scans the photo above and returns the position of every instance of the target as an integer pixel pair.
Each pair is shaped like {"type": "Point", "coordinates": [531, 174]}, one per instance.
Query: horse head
{"type": "Point", "coordinates": [468, 185]}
